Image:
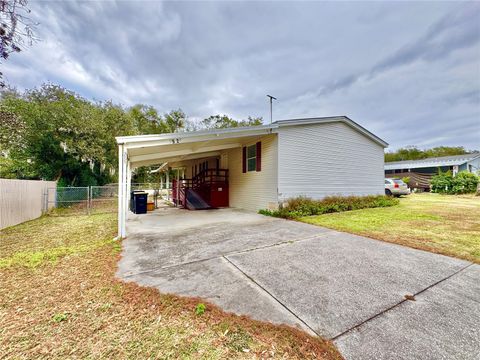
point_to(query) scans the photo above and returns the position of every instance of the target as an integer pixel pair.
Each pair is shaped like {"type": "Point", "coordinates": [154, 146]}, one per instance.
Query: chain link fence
{"type": "Point", "coordinates": [103, 199]}
{"type": "Point", "coordinates": [96, 199]}
{"type": "Point", "coordinates": [68, 200]}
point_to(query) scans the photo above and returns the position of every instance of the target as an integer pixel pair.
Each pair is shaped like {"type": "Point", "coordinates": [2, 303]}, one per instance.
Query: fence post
{"type": "Point", "coordinates": [88, 200]}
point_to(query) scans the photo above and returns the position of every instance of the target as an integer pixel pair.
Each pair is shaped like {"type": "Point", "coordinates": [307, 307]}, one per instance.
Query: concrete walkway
{"type": "Point", "coordinates": [339, 286]}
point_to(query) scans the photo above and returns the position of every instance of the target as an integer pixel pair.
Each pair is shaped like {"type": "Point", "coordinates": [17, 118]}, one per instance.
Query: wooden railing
{"type": "Point", "coordinates": [209, 176]}
{"type": "Point", "coordinates": [203, 183]}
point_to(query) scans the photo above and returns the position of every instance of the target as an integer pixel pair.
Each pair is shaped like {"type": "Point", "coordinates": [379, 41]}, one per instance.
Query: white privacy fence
{"type": "Point", "coordinates": [23, 200]}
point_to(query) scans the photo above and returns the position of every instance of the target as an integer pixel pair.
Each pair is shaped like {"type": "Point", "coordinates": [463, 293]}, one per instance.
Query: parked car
{"type": "Point", "coordinates": [396, 187]}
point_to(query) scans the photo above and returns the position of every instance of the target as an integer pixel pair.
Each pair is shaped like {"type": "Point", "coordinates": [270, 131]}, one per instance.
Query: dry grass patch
{"type": "Point", "coordinates": [444, 224]}
{"type": "Point", "coordinates": [66, 303]}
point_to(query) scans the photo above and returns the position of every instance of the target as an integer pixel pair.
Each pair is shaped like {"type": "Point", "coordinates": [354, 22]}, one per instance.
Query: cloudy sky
{"type": "Point", "coordinates": [409, 72]}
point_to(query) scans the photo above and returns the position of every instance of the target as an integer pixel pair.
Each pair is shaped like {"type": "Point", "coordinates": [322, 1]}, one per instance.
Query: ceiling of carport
{"type": "Point", "coordinates": [145, 156]}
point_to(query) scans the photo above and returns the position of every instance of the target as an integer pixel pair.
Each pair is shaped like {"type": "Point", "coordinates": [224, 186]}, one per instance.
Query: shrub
{"type": "Point", "coordinates": [406, 179]}
{"type": "Point", "coordinates": [463, 183]}
{"type": "Point", "coordinates": [303, 206]}
{"type": "Point", "coordinates": [442, 183]}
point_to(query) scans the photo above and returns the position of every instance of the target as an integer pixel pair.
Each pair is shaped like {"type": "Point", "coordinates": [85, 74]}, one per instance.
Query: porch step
{"type": "Point", "coordinates": [195, 201]}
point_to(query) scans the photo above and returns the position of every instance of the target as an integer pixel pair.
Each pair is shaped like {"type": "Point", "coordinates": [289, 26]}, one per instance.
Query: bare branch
{"type": "Point", "coordinates": [16, 28]}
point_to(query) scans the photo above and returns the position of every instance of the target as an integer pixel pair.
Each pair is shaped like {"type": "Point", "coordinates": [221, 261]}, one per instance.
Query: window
{"type": "Point", "coordinates": [252, 158]}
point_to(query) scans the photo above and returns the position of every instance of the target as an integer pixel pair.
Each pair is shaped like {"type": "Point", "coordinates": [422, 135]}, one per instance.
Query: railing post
{"type": "Point", "coordinates": [178, 184]}
{"type": "Point", "coordinates": [167, 179]}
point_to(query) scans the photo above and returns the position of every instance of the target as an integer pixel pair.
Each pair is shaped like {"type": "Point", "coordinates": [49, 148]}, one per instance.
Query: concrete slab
{"type": "Point", "coordinates": [340, 280]}
{"type": "Point", "coordinates": [443, 323]}
{"type": "Point", "coordinates": [173, 236]}
{"type": "Point", "coordinates": [338, 285]}
{"type": "Point", "coordinates": [220, 283]}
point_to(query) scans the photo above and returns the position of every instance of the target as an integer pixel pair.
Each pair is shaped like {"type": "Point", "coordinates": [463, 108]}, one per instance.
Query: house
{"type": "Point", "coordinates": [421, 171]}
{"type": "Point", "coordinates": [258, 167]}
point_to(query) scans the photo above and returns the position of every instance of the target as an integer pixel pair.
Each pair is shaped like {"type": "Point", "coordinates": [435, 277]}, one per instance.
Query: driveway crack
{"type": "Point", "coordinates": [286, 242]}
{"type": "Point", "coordinates": [399, 303]}
{"type": "Point", "coordinates": [271, 295]}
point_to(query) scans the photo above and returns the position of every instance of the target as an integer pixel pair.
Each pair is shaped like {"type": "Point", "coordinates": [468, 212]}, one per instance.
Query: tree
{"type": "Point", "coordinates": [174, 121]}
{"type": "Point", "coordinates": [61, 136]}
{"type": "Point", "coordinates": [414, 153]}
{"type": "Point", "coordinates": [54, 134]}
{"type": "Point", "coordinates": [146, 119]}
{"type": "Point", "coordinates": [12, 130]}
{"type": "Point", "coordinates": [223, 121]}
{"type": "Point", "coordinates": [16, 29]}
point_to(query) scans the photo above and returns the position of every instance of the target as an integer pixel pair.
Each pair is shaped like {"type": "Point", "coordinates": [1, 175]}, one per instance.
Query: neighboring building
{"type": "Point", "coordinates": [261, 166]}
{"type": "Point", "coordinates": [421, 171]}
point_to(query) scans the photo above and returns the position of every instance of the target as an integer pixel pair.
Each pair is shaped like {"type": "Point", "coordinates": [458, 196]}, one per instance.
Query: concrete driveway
{"type": "Point", "coordinates": [340, 286]}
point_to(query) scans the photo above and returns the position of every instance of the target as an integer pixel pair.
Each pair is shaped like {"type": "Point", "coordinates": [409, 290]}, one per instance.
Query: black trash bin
{"type": "Point", "coordinates": [140, 202]}
{"type": "Point", "coordinates": [132, 198]}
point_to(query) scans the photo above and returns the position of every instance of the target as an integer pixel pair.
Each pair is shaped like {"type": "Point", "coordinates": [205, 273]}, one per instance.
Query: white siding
{"type": "Point", "coordinates": [328, 159]}
{"type": "Point", "coordinates": [254, 190]}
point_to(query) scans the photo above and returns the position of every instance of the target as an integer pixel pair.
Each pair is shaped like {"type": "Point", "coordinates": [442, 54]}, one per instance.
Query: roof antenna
{"type": "Point", "coordinates": [271, 112]}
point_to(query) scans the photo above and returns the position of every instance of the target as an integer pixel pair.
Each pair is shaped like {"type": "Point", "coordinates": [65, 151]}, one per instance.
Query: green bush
{"type": "Point", "coordinates": [463, 183]}
{"type": "Point", "coordinates": [303, 206]}
{"type": "Point", "coordinates": [442, 183]}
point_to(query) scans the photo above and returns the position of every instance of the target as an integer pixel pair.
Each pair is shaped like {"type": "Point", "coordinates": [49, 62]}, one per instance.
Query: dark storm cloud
{"type": "Point", "coordinates": [456, 30]}
{"type": "Point", "coordinates": [410, 72]}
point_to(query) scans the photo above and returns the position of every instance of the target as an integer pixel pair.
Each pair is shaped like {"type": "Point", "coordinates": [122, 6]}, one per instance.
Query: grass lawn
{"type": "Point", "coordinates": [444, 224]}
{"type": "Point", "coordinates": [59, 299]}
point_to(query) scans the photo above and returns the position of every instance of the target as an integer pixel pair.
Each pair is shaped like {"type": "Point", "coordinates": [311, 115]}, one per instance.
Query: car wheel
{"type": "Point", "coordinates": [388, 192]}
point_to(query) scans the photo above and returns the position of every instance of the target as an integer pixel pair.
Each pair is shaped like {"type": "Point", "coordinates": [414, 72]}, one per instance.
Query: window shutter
{"type": "Point", "coordinates": [259, 156]}
{"type": "Point", "coordinates": [244, 159]}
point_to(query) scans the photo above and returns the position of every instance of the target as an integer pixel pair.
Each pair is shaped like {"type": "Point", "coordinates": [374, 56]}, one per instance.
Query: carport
{"type": "Point", "coordinates": [258, 167]}
{"type": "Point", "coordinates": [177, 150]}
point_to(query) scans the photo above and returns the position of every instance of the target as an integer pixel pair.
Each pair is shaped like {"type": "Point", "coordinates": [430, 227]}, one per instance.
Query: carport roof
{"type": "Point", "coordinates": [172, 138]}
{"type": "Point", "coordinates": [153, 149]}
